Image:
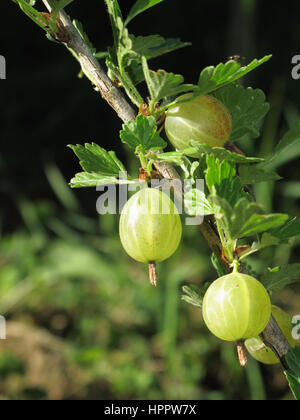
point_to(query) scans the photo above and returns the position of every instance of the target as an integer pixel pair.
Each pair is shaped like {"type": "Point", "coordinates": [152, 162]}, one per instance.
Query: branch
{"type": "Point", "coordinates": [69, 35]}
{"type": "Point", "coordinates": [272, 336]}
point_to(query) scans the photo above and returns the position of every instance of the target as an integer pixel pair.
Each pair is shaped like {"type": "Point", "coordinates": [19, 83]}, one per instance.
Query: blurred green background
{"type": "Point", "coordinates": [83, 322]}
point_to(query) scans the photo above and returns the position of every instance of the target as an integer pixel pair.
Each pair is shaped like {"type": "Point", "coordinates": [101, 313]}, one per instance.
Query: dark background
{"type": "Point", "coordinates": [45, 107]}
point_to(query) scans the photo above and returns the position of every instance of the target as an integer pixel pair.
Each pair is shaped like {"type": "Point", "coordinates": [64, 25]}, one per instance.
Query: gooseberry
{"type": "Point", "coordinates": [150, 227]}
{"type": "Point", "coordinates": [204, 119]}
{"type": "Point", "coordinates": [236, 307]}
{"type": "Point", "coordinates": [264, 354]}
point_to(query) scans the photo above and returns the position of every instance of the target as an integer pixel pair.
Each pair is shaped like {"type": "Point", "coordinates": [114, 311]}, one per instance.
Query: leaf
{"type": "Point", "coordinates": [222, 181]}
{"type": "Point", "coordinates": [293, 360]}
{"type": "Point", "coordinates": [222, 154]}
{"type": "Point", "coordinates": [92, 179]}
{"type": "Point", "coordinates": [287, 149]}
{"type": "Point", "coordinates": [261, 223]}
{"type": "Point", "coordinates": [139, 7]}
{"type": "Point", "coordinates": [253, 174]}
{"type": "Point", "coordinates": [95, 159]}
{"type": "Point", "coordinates": [280, 277]}
{"type": "Point", "coordinates": [196, 203]}
{"type": "Point", "coordinates": [218, 266]}
{"type": "Point", "coordinates": [36, 16]}
{"type": "Point", "coordinates": [294, 383]}
{"type": "Point", "coordinates": [170, 157]}
{"type": "Point", "coordinates": [247, 107]}
{"type": "Point", "coordinates": [213, 78]}
{"type": "Point", "coordinates": [193, 295]}
{"type": "Point", "coordinates": [162, 84]}
{"type": "Point", "coordinates": [290, 229]}
{"type": "Point", "coordinates": [155, 45]}
{"type": "Point", "coordinates": [142, 132]}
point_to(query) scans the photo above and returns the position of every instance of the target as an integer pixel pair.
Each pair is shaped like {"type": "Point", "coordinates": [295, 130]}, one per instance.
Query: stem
{"type": "Point", "coordinates": [242, 353]}
{"type": "Point", "coordinates": [272, 336]}
{"type": "Point", "coordinates": [236, 265]}
{"type": "Point", "coordinates": [153, 273]}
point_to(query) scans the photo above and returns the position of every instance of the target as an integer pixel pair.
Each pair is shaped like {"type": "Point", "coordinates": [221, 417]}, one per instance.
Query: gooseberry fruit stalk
{"type": "Point", "coordinates": [204, 119]}
{"type": "Point", "coordinates": [236, 307]}
{"type": "Point", "coordinates": [150, 228]}
{"type": "Point", "coordinates": [260, 351]}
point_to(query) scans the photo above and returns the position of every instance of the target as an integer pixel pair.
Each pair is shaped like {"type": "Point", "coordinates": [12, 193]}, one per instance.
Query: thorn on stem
{"type": "Point", "coordinates": [153, 273]}
{"type": "Point", "coordinates": [242, 353]}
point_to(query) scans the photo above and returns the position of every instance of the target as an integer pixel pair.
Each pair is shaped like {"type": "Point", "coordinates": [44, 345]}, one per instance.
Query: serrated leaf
{"type": "Point", "coordinates": [92, 179]}
{"type": "Point", "coordinates": [139, 7]}
{"type": "Point", "coordinates": [213, 78]}
{"type": "Point", "coordinates": [287, 149]}
{"type": "Point", "coordinates": [143, 133]}
{"type": "Point", "coordinates": [162, 84]}
{"type": "Point", "coordinates": [155, 45]}
{"type": "Point", "coordinates": [294, 383]}
{"type": "Point", "coordinates": [193, 295]}
{"type": "Point", "coordinates": [247, 107]}
{"type": "Point", "coordinates": [94, 158]}
{"type": "Point", "coordinates": [196, 203]}
{"type": "Point", "coordinates": [222, 154]}
{"type": "Point", "coordinates": [253, 174]}
{"type": "Point", "coordinates": [221, 180]}
{"type": "Point", "coordinates": [280, 277]}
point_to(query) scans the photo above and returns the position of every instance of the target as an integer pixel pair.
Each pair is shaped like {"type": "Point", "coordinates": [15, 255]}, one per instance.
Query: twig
{"type": "Point", "coordinates": [72, 39]}
{"type": "Point", "coordinates": [272, 336]}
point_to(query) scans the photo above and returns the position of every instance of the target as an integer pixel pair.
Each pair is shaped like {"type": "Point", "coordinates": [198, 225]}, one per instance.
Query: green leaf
{"type": "Point", "coordinates": [36, 16]}
{"type": "Point", "coordinates": [193, 295]}
{"type": "Point", "coordinates": [293, 360]}
{"type": "Point", "coordinates": [253, 174]}
{"type": "Point", "coordinates": [294, 383]}
{"type": "Point", "coordinates": [287, 149]}
{"type": "Point", "coordinates": [92, 179]}
{"type": "Point", "coordinates": [280, 277]}
{"type": "Point", "coordinates": [196, 203]}
{"type": "Point", "coordinates": [170, 157]}
{"type": "Point", "coordinates": [143, 133]}
{"type": "Point", "coordinates": [222, 181]}
{"type": "Point", "coordinates": [162, 84]}
{"type": "Point", "coordinates": [247, 107]}
{"type": "Point", "coordinates": [139, 7]}
{"type": "Point", "coordinates": [218, 266]}
{"type": "Point", "coordinates": [222, 154]}
{"type": "Point", "coordinates": [213, 78]}
{"type": "Point", "coordinates": [261, 223]}
{"type": "Point", "coordinates": [290, 229]}
{"type": "Point", "coordinates": [95, 159]}
{"type": "Point", "coordinates": [155, 45]}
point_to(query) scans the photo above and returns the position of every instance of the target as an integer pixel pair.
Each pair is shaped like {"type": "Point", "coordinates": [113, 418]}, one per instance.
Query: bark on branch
{"type": "Point", "coordinates": [272, 336]}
